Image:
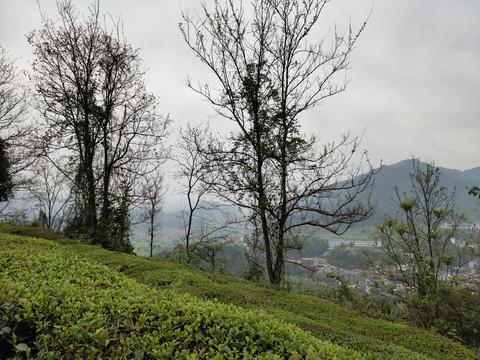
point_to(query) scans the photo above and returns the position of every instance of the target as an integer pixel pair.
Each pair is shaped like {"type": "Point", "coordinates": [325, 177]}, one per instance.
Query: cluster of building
{"type": "Point", "coordinates": [350, 242]}
{"type": "Point", "coordinates": [363, 280]}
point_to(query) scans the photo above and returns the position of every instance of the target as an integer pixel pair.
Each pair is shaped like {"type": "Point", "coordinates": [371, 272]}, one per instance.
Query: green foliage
{"type": "Point", "coordinates": [31, 231]}
{"type": "Point", "coordinates": [474, 191]}
{"type": "Point", "coordinates": [364, 304]}
{"type": "Point", "coordinates": [55, 303]}
{"type": "Point", "coordinates": [461, 316]}
{"type": "Point", "coordinates": [348, 258]}
{"type": "Point", "coordinates": [324, 319]}
{"type": "Point", "coordinates": [208, 255]}
{"type": "Point", "coordinates": [406, 205]}
{"type": "Point", "coordinates": [76, 220]}
{"type": "Point", "coordinates": [375, 339]}
{"type": "Point", "coordinates": [114, 232]}
{"type": "Point", "coordinates": [315, 246]}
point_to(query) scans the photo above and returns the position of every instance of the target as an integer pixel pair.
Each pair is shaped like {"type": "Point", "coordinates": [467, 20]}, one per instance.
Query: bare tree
{"type": "Point", "coordinates": [153, 194]}
{"type": "Point", "coordinates": [207, 224]}
{"type": "Point", "coordinates": [50, 189]}
{"type": "Point", "coordinates": [16, 154]}
{"type": "Point", "coordinates": [15, 151]}
{"type": "Point", "coordinates": [13, 109]}
{"type": "Point", "coordinates": [90, 85]}
{"type": "Point", "coordinates": [190, 171]}
{"type": "Point", "coordinates": [12, 96]}
{"type": "Point", "coordinates": [270, 68]}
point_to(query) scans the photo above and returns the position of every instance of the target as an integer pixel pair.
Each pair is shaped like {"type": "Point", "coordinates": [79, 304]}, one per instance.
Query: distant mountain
{"type": "Point", "coordinates": [383, 192]}
{"type": "Point", "coordinates": [397, 174]}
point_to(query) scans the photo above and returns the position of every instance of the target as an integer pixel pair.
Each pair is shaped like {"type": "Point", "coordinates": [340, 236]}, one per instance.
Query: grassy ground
{"type": "Point", "coordinates": [375, 339]}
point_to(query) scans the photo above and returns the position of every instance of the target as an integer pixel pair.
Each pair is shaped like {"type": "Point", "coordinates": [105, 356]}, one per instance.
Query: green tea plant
{"type": "Point", "coordinates": [373, 338]}
{"type": "Point", "coordinates": [55, 303]}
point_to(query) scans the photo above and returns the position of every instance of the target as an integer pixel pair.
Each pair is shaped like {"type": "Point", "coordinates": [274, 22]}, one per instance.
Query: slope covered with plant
{"type": "Point", "coordinates": [58, 304]}
{"type": "Point", "coordinates": [368, 338]}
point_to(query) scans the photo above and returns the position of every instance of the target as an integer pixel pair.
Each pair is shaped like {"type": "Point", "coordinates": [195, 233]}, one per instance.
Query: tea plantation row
{"type": "Point", "coordinates": [372, 339]}
{"type": "Point", "coordinates": [56, 304]}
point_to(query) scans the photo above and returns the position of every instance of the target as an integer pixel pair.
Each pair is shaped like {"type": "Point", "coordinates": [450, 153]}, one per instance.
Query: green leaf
{"type": "Point", "coordinates": [21, 347]}
{"type": "Point", "coordinates": [5, 330]}
{"type": "Point", "coordinates": [139, 354]}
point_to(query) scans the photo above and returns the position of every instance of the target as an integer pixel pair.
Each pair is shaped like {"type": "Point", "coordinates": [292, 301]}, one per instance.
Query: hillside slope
{"type": "Point", "coordinates": [55, 303]}
{"type": "Point", "coordinates": [374, 339]}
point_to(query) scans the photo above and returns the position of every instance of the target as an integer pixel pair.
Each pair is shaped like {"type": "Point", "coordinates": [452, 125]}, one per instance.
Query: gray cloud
{"type": "Point", "coordinates": [415, 80]}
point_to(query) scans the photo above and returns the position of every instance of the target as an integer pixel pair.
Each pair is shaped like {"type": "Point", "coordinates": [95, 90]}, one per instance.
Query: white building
{"type": "Point", "coordinates": [350, 242]}
{"type": "Point", "coordinates": [310, 263]}
{"type": "Point", "coordinates": [337, 242]}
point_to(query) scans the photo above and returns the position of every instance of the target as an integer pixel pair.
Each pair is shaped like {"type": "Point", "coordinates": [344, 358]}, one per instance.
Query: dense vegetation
{"type": "Point", "coordinates": [116, 309]}
{"type": "Point", "coordinates": [56, 303]}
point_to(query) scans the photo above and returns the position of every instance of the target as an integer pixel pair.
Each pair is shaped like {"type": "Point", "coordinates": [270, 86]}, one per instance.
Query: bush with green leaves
{"type": "Point", "coordinates": [55, 303]}
{"type": "Point", "coordinates": [426, 249]}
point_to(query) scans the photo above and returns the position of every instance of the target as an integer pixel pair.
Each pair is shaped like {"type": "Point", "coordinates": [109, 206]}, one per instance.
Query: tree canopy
{"type": "Point", "coordinates": [91, 92]}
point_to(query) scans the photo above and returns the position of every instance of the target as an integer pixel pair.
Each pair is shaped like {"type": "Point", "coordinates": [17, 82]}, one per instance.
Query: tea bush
{"type": "Point", "coordinates": [374, 339]}
{"type": "Point", "coordinates": [55, 303]}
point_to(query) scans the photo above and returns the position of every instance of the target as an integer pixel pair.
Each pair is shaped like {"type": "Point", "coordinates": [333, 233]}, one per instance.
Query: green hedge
{"type": "Point", "coordinates": [57, 304]}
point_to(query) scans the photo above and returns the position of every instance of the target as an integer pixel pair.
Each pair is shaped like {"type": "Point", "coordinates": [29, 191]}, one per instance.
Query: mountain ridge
{"type": "Point", "coordinates": [396, 175]}
{"type": "Point", "coordinates": [383, 191]}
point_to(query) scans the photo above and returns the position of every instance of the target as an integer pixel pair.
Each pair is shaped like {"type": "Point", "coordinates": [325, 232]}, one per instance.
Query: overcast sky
{"type": "Point", "coordinates": [415, 74]}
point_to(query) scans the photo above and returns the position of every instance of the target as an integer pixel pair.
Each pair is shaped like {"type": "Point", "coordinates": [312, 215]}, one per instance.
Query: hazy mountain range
{"type": "Point", "coordinates": [383, 191]}
{"type": "Point", "coordinates": [389, 176]}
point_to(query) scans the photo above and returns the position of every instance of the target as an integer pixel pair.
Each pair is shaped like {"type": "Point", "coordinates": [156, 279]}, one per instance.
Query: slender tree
{"type": "Point", "coordinates": [50, 190]}
{"type": "Point", "coordinates": [424, 243]}
{"type": "Point", "coordinates": [205, 223]}
{"type": "Point", "coordinates": [270, 67]}
{"type": "Point", "coordinates": [190, 172]}
{"type": "Point", "coordinates": [91, 91]}
{"type": "Point", "coordinates": [15, 152]}
{"type": "Point", "coordinates": [153, 194]}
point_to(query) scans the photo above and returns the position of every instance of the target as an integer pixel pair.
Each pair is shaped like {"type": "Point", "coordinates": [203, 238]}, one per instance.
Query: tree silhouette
{"type": "Point", "coordinates": [270, 68]}
{"type": "Point", "coordinates": [92, 95]}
